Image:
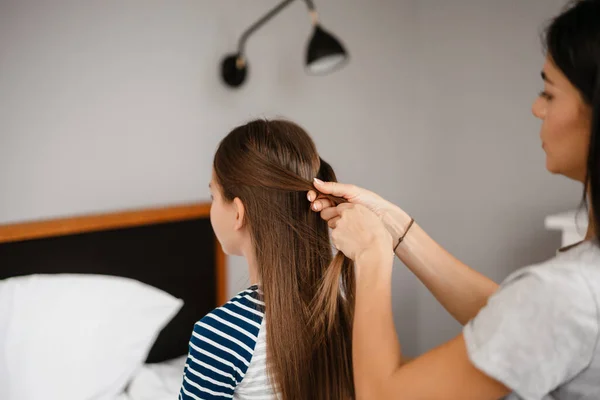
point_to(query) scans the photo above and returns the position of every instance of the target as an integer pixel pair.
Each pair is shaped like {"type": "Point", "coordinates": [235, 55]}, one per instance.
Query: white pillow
{"type": "Point", "coordinates": [158, 381]}
{"type": "Point", "coordinates": [76, 337]}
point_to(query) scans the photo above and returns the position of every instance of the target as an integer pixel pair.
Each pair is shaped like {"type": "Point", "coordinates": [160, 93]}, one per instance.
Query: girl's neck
{"type": "Point", "coordinates": [252, 267]}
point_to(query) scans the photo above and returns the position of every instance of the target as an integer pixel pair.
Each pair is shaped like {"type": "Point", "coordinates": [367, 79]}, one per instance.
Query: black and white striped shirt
{"type": "Point", "coordinates": [227, 353]}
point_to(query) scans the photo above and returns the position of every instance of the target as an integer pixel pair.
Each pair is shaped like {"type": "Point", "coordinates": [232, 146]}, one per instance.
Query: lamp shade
{"type": "Point", "coordinates": [325, 53]}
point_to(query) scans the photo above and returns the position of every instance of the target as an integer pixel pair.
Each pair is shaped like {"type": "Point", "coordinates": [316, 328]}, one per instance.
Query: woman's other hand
{"type": "Point", "coordinates": [358, 231]}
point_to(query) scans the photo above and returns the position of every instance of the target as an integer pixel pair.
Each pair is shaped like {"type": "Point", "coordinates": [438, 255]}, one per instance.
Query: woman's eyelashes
{"type": "Point", "coordinates": [546, 95]}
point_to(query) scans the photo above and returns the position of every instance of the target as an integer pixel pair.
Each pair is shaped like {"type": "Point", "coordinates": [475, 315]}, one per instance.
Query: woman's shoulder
{"type": "Point", "coordinates": [574, 270]}
{"type": "Point", "coordinates": [541, 328]}
{"type": "Point", "coordinates": [562, 291]}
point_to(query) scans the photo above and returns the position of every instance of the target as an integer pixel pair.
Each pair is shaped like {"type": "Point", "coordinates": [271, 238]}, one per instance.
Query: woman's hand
{"type": "Point", "coordinates": [394, 219]}
{"type": "Point", "coordinates": [357, 231]}
{"type": "Point", "coordinates": [352, 193]}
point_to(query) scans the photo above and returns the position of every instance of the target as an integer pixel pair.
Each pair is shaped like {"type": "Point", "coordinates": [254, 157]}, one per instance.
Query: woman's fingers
{"type": "Point", "coordinates": [321, 205]}
{"type": "Point", "coordinates": [318, 204]}
{"type": "Point", "coordinates": [333, 222]}
{"type": "Point", "coordinates": [330, 213]}
{"type": "Point", "coordinates": [337, 189]}
{"type": "Point", "coordinates": [333, 214]}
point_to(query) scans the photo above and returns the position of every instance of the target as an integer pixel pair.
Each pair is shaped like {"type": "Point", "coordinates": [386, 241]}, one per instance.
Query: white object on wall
{"type": "Point", "coordinates": [573, 225]}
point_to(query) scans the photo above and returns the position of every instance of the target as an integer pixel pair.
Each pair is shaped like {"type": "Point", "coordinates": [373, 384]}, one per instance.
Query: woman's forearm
{"type": "Point", "coordinates": [460, 289]}
{"type": "Point", "coordinates": [376, 350]}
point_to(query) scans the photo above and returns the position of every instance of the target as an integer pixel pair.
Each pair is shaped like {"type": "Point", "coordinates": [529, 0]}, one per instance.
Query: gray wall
{"type": "Point", "coordinates": [106, 105]}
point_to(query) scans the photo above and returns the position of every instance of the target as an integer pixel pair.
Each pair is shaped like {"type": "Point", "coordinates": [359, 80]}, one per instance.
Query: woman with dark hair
{"type": "Point", "coordinates": [536, 336]}
{"type": "Point", "coordinates": [288, 336]}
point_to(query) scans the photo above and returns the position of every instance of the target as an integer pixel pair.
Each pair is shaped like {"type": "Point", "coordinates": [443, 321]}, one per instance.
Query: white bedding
{"type": "Point", "coordinates": [160, 381]}
{"type": "Point", "coordinates": [82, 337]}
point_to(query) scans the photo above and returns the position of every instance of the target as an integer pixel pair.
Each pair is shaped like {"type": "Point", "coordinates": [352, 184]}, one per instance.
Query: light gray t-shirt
{"type": "Point", "coordinates": [538, 334]}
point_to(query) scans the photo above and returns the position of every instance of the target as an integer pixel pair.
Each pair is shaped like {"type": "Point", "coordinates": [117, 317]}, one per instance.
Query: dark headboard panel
{"type": "Point", "coordinates": [173, 249]}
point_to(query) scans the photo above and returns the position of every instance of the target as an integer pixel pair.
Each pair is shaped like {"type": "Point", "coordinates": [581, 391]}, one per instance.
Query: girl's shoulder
{"type": "Point", "coordinates": [223, 345]}
{"type": "Point", "coordinates": [246, 309]}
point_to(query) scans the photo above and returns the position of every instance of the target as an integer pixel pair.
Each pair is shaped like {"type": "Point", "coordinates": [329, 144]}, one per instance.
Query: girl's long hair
{"type": "Point", "coordinates": [308, 292]}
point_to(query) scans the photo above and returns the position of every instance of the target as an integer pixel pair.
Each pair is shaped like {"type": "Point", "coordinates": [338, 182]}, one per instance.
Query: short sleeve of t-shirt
{"type": "Point", "coordinates": [537, 332]}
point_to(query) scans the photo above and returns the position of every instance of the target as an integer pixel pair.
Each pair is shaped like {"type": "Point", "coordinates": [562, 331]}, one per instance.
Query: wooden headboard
{"type": "Point", "coordinates": [171, 248]}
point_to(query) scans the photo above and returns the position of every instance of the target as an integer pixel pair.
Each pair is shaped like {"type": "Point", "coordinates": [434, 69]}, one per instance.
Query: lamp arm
{"type": "Point", "coordinates": [312, 11]}
{"type": "Point", "coordinates": [254, 27]}
{"type": "Point", "coordinates": [258, 24]}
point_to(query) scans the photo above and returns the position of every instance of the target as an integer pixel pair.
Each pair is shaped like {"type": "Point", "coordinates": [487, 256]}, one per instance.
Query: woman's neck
{"type": "Point", "coordinates": [591, 230]}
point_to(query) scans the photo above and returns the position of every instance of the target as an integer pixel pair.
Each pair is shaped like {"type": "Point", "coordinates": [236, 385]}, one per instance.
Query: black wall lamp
{"type": "Point", "coordinates": [324, 52]}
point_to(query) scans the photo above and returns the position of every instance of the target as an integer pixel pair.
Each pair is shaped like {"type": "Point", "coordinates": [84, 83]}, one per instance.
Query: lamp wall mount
{"type": "Point", "coordinates": [324, 52]}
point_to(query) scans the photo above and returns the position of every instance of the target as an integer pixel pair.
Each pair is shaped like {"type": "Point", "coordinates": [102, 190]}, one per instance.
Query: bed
{"type": "Point", "coordinates": [102, 306]}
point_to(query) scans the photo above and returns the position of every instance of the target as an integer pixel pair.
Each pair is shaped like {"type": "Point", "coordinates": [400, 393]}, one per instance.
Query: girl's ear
{"type": "Point", "coordinates": [240, 213]}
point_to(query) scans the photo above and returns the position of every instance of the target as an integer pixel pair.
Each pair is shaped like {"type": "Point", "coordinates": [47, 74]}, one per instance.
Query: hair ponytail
{"type": "Point", "coordinates": [336, 291]}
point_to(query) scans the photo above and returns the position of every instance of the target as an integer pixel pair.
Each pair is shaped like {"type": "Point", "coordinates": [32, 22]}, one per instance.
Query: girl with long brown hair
{"type": "Point", "coordinates": [288, 336]}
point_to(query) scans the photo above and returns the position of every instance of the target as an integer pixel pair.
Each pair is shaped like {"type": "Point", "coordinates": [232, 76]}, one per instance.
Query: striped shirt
{"type": "Point", "coordinates": [227, 353]}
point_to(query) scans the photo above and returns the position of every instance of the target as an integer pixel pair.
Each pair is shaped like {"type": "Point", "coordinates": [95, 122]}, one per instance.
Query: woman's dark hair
{"type": "Point", "coordinates": [572, 40]}
{"type": "Point", "coordinates": [308, 293]}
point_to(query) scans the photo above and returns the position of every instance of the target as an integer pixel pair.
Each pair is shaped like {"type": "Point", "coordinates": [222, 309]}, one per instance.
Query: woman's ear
{"type": "Point", "coordinates": [240, 213]}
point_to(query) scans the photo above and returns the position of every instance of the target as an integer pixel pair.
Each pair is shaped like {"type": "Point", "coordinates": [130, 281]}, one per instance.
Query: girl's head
{"type": "Point", "coordinates": [569, 106]}
{"type": "Point", "coordinates": [260, 171]}
{"type": "Point", "coordinates": [261, 174]}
